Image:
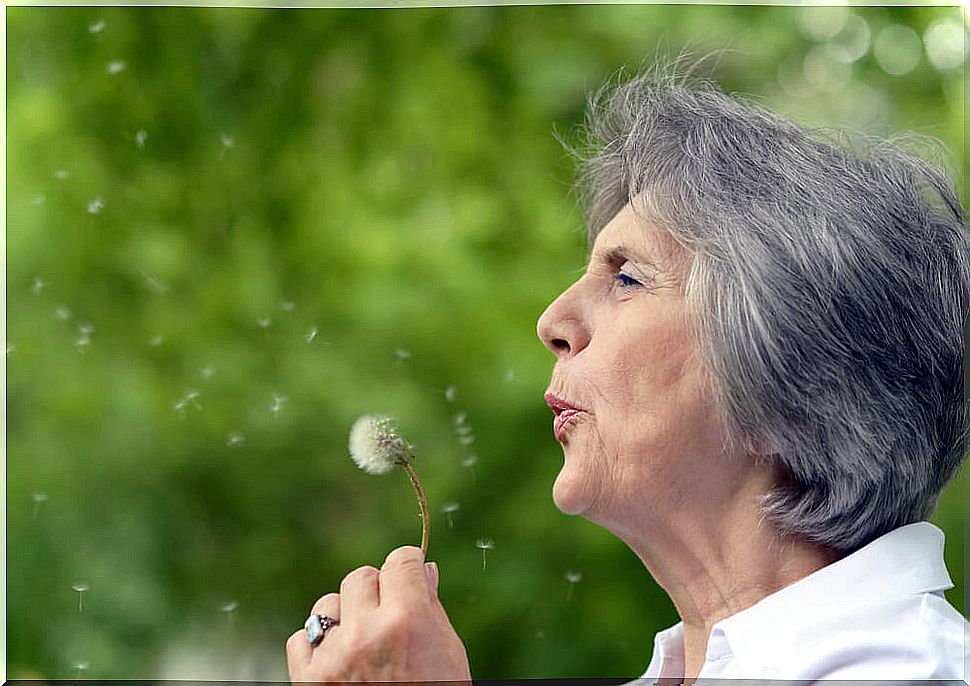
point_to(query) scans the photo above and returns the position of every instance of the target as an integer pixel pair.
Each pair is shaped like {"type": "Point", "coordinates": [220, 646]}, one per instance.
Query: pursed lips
{"type": "Point", "coordinates": [565, 414]}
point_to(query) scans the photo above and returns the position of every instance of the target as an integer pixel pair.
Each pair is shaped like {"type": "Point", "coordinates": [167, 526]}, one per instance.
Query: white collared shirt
{"type": "Point", "coordinates": [878, 613]}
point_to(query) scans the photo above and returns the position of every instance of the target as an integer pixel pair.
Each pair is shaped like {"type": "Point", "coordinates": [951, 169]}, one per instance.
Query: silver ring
{"type": "Point", "coordinates": [316, 626]}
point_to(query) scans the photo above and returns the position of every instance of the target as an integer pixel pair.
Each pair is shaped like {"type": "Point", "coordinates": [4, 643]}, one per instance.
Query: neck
{"type": "Point", "coordinates": [715, 562]}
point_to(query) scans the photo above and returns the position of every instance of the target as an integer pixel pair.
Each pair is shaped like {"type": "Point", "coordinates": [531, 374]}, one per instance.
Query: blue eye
{"type": "Point", "coordinates": [626, 281]}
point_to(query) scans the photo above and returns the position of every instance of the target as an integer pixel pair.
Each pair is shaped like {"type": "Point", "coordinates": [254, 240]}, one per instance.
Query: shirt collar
{"type": "Point", "coordinates": [907, 560]}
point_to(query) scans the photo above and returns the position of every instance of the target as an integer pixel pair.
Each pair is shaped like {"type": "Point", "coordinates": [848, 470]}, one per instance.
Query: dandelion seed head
{"type": "Point", "coordinates": [375, 444]}
{"type": "Point", "coordinates": [140, 137]}
{"type": "Point", "coordinates": [463, 430]}
{"type": "Point", "coordinates": [81, 666]}
{"type": "Point", "coordinates": [469, 461]}
{"type": "Point", "coordinates": [264, 323]}
{"type": "Point", "coordinates": [37, 286]}
{"type": "Point", "coordinates": [95, 206]}
{"type": "Point", "coordinates": [451, 393]}
{"type": "Point", "coordinates": [311, 334]}
{"type": "Point", "coordinates": [466, 440]}
{"type": "Point", "coordinates": [227, 140]}
{"type": "Point", "coordinates": [156, 341]}
{"type": "Point", "coordinates": [460, 418]}
{"type": "Point", "coordinates": [115, 67]}
{"type": "Point", "coordinates": [450, 507]}
{"type": "Point", "coordinates": [62, 313]}
{"type": "Point", "coordinates": [235, 440]}
{"type": "Point", "coordinates": [61, 174]}
{"type": "Point", "coordinates": [402, 354]}
{"type": "Point", "coordinates": [39, 496]}
{"type": "Point", "coordinates": [80, 586]}
{"type": "Point", "coordinates": [207, 372]}
{"type": "Point", "coordinates": [485, 544]}
{"type": "Point", "coordinates": [229, 607]}
{"type": "Point", "coordinates": [573, 577]}
{"type": "Point", "coordinates": [97, 27]}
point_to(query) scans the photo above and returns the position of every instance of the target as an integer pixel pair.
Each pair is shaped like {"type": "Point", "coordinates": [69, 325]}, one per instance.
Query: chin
{"type": "Point", "coordinates": [570, 497]}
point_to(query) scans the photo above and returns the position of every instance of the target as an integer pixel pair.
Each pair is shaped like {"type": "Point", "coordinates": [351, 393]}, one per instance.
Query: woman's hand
{"type": "Point", "coordinates": [392, 628]}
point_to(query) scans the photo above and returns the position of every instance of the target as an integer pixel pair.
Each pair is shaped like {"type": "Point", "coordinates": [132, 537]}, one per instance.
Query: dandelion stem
{"type": "Point", "coordinates": [422, 501]}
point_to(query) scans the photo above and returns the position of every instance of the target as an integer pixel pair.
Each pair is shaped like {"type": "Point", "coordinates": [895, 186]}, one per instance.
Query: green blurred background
{"type": "Point", "coordinates": [232, 231]}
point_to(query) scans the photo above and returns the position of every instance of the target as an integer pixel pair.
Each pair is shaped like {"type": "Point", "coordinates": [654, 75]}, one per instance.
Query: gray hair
{"type": "Point", "coordinates": [828, 287]}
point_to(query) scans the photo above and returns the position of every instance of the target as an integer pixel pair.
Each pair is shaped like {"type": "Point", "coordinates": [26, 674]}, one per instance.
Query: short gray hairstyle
{"type": "Point", "coordinates": [828, 289]}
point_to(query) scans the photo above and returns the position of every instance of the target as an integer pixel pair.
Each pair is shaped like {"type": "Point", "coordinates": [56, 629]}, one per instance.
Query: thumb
{"type": "Point", "coordinates": [431, 570]}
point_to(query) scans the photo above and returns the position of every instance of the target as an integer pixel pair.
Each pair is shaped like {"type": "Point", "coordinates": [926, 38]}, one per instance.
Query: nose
{"type": "Point", "coordinates": [562, 328]}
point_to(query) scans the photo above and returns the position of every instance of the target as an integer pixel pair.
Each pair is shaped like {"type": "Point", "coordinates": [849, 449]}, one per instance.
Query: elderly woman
{"type": "Point", "coordinates": [758, 387]}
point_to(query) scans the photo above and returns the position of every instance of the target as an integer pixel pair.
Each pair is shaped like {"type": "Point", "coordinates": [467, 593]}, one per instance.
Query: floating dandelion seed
{"type": "Point", "coordinates": [37, 286]}
{"type": "Point", "coordinates": [156, 341]}
{"type": "Point", "coordinates": [459, 419]}
{"type": "Point", "coordinates": [115, 67]}
{"type": "Point", "coordinates": [469, 463]}
{"type": "Point", "coordinates": [61, 174]}
{"type": "Point", "coordinates": [277, 406]}
{"type": "Point", "coordinates": [448, 509]}
{"type": "Point", "coordinates": [80, 587]}
{"type": "Point", "coordinates": [484, 544]}
{"type": "Point", "coordinates": [39, 199]}
{"type": "Point", "coordinates": [264, 323]}
{"type": "Point", "coordinates": [229, 608]}
{"type": "Point", "coordinates": [97, 27]}
{"type": "Point", "coordinates": [573, 578]}
{"type": "Point", "coordinates": [190, 398]}
{"type": "Point", "coordinates": [83, 339]}
{"type": "Point", "coordinates": [235, 440]}
{"type": "Point", "coordinates": [377, 447]}
{"type": "Point", "coordinates": [154, 284]}
{"type": "Point", "coordinates": [62, 313]}
{"type": "Point", "coordinates": [451, 393]}
{"type": "Point", "coordinates": [80, 667]}
{"type": "Point", "coordinates": [95, 206]}
{"type": "Point", "coordinates": [311, 334]}
{"type": "Point", "coordinates": [207, 372]}
{"type": "Point", "coordinates": [140, 137]}
{"type": "Point", "coordinates": [227, 141]}
{"type": "Point", "coordinates": [288, 305]}
{"type": "Point", "coordinates": [402, 354]}
{"type": "Point", "coordinates": [38, 497]}
{"type": "Point", "coordinates": [466, 439]}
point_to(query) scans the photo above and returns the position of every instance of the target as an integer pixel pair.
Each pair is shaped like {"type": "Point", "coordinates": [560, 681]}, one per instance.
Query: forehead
{"type": "Point", "coordinates": [639, 239]}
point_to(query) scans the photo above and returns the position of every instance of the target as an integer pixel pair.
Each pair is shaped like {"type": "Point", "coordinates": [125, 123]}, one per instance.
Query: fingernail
{"type": "Point", "coordinates": [432, 570]}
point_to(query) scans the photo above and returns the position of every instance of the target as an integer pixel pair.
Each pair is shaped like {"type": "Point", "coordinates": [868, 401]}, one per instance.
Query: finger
{"type": "Point", "coordinates": [328, 605]}
{"type": "Point", "coordinates": [403, 581]}
{"type": "Point", "coordinates": [359, 593]}
{"type": "Point", "coordinates": [298, 653]}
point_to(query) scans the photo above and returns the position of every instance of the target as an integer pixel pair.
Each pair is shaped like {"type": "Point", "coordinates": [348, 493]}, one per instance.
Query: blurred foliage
{"type": "Point", "coordinates": [232, 231]}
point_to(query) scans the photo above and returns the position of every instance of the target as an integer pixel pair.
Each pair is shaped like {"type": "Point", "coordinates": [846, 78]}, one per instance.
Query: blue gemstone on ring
{"type": "Point", "coordinates": [314, 629]}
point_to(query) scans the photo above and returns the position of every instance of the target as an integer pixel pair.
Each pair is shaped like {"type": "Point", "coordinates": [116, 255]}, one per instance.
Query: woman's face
{"type": "Point", "coordinates": [645, 433]}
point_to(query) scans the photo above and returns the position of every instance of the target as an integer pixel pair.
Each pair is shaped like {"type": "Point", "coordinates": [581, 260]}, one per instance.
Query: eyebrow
{"type": "Point", "coordinates": [619, 254]}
